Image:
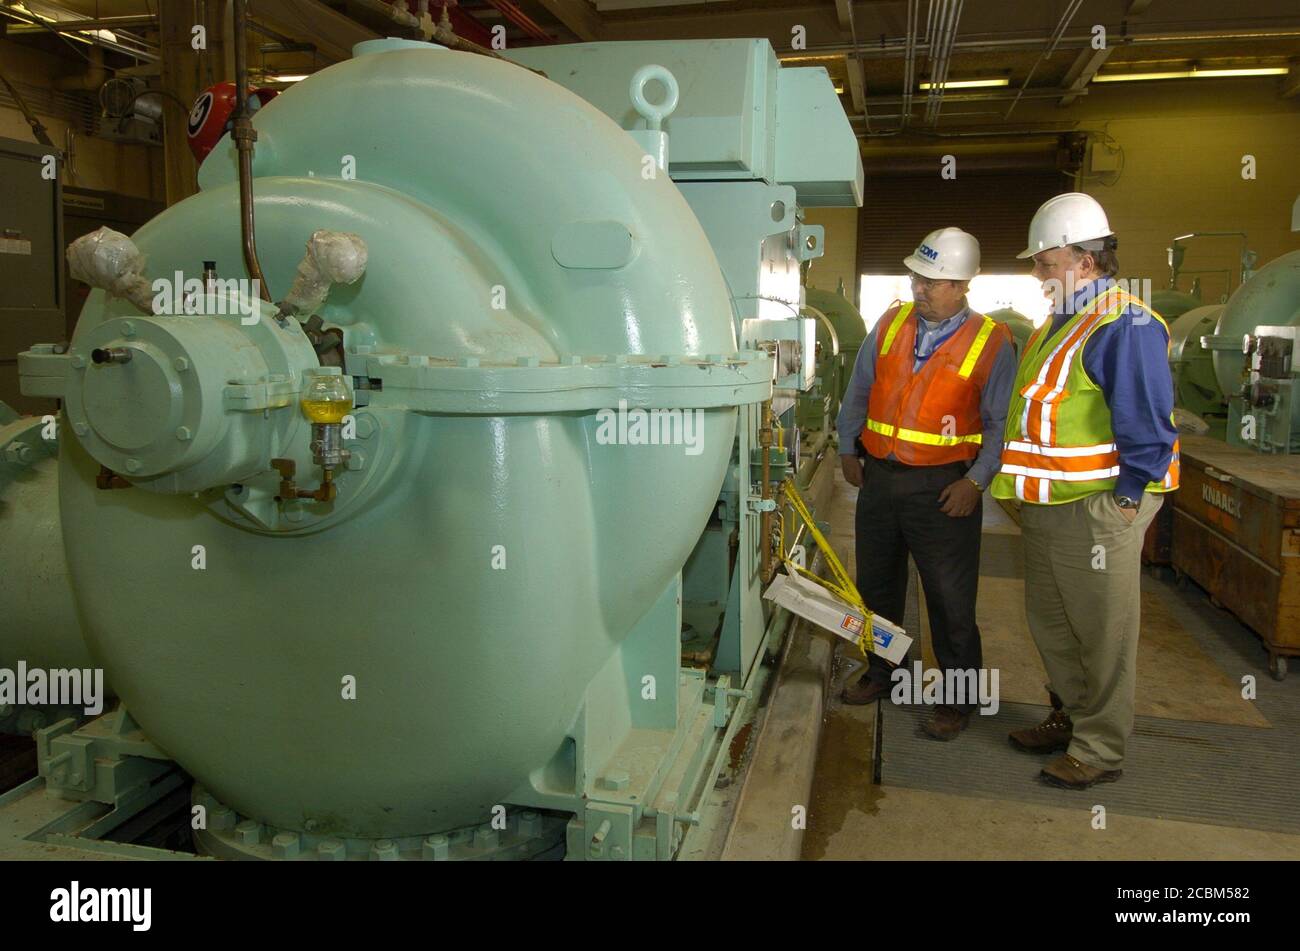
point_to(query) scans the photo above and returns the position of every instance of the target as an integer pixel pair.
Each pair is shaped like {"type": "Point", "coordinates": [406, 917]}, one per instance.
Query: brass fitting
{"type": "Point", "coordinates": [327, 491]}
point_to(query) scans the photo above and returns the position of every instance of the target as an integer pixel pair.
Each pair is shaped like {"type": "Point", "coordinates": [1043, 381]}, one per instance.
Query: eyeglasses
{"type": "Point", "coordinates": [927, 283]}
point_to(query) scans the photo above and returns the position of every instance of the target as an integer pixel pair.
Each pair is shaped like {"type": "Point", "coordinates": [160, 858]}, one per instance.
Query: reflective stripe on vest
{"type": "Point", "coordinates": [894, 326]}
{"type": "Point", "coordinates": [915, 435]}
{"type": "Point", "coordinates": [972, 355]}
{"type": "Point", "coordinates": [948, 399]}
{"type": "Point", "coordinates": [1048, 387]}
{"type": "Point", "coordinates": [1034, 467]}
{"type": "Point", "coordinates": [976, 348]}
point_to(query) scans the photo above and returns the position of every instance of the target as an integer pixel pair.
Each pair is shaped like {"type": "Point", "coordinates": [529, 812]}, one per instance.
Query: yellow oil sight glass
{"type": "Point", "coordinates": [326, 401]}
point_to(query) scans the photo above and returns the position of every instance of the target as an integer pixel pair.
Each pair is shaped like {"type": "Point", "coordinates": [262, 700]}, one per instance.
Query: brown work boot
{"type": "Point", "coordinates": [946, 723]}
{"type": "Point", "coordinates": [1068, 773]}
{"type": "Point", "coordinates": [865, 691]}
{"type": "Point", "coordinates": [1051, 736]}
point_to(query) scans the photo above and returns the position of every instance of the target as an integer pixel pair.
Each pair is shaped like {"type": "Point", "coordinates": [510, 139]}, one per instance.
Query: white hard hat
{"type": "Point", "coordinates": [1059, 222]}
{"type": "Point", "coordinates": [948, 254]}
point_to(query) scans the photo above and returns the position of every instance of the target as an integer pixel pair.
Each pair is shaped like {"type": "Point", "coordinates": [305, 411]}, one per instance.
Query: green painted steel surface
{"type": "Point", "coordinates": [1019, 325]}
{"type": "Point", "coordinates": [515, 285]}
{"type": "Point", "coordinates": [468, 678]}
{"type": "Point", "coordinates": [1271, 298]}
{"type": "Point", "coordinates": [742, 115]}
{"type": "Point", "coordinates": [37, 614]}
{"type": "Point", "coordinates": [1263, 398]}
{"type": "Point", "coordinates": [1172, 304]}
{"type": "Point", "coordinates": [850, 331]}
{"type": "Point", "coordinates": [1195, 386]}
{"type": "Point", "coordinates": [850, 328]}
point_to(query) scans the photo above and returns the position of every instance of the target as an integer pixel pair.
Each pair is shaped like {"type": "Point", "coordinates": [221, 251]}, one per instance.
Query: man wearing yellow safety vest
{"type": "Point", "coordinates": [925, 408]}
{"type": "Point", "coordinates": [1089, 448]}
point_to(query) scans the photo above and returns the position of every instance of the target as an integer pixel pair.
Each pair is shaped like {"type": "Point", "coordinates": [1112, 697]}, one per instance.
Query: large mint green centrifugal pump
{"type": "Point", "coordinates": [368, 621]}
{"type": "Point", "coordinates": [1254, 348]}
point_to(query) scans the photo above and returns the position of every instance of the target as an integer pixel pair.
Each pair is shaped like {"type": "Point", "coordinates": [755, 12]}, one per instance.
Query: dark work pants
{"type": "Point", "coordinates": [898, 514]}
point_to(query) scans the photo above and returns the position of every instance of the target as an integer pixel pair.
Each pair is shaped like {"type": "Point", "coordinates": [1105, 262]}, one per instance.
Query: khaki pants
{"type": "Point", "coordinates": [1082, 599]}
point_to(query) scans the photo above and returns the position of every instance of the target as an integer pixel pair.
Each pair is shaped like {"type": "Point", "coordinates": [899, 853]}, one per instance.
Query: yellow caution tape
{"type": "Point", "coordinates": [842, 586]}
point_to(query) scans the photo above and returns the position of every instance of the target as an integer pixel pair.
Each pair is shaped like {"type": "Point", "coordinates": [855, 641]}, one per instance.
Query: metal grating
{"type": "Point", "coordinates": [1176, 769]}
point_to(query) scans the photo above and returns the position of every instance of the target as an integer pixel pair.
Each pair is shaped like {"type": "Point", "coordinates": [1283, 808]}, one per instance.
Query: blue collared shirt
{"type": "Point", "coordinates": [931, 335]}
{"type": "Point", "coordinates": [995, 398]}
{"type": "Point", "coordinates": [1129, 359]}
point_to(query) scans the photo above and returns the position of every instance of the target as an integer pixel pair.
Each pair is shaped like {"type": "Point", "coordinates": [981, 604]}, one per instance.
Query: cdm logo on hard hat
{"type": "Point", "coordinates": [947, 254]}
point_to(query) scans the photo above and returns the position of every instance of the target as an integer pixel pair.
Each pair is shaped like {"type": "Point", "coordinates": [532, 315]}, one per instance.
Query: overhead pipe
{"type": "Point", "coordinates": [78, 26]}
{"type": "Point", "coordinates": [977, 95]}
{"type": "Point", "coordinates": [909, 64]}
{"type": "Point", "coordinates": [31, 21]}
{"type": "Point", "coordinates": [894, 47]}
{"type": "Point", "coordinates": [91, 78]}
{"type": "Point", "coordinates": [1062, 25]}
{"type": "Point", "coordinates": [858, 64]}
{"type": "Point", "coordinates": [281, 43]}
{"type": "Point", "coordinates": [946, 29]}
{"type": "Point", "coordinates": [522, 20]}
{"type": "Point", "coordinates": [943, 25]}
{"type": "Point", "coordinates": [898, 115]}
{"type": "Point", "coordinates": [444, 34]}
{"type": "Point", "coordinates": [937, 85]}
{"type": "Point", "coordinates": [934, 50]}
{"type": "Point", "coordinates": [398, 14]}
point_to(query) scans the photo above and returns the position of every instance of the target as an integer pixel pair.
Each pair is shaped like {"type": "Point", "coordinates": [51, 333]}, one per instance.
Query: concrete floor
{"type": "Point", "coordinates": [850, 818]}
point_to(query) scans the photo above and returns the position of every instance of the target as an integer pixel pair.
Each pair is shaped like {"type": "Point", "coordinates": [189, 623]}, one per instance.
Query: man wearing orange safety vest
{"type": "Point", "coordinates": [1089, 449]}
{"type": "Point", "coordinates": [925, 409]}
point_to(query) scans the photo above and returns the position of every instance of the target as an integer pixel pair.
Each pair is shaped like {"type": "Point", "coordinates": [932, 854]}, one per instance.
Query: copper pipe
{"type": "Point", "coordinates": [327, 491]}
{"type": "Point", "coordinates": [245, 135]}
{"type": "Point", "coordinates": [446, 35]}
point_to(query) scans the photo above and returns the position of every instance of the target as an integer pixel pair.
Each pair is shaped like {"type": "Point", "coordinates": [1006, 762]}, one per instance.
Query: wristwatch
{"type": "Point", "coordinates": [1124, 502]}
{"type": "Point", "coordinates": [974, 483]}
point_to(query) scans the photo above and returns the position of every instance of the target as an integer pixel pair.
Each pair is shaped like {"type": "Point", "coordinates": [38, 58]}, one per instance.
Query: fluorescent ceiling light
{"type": "Point", "coordinates": [297, 77]}
{"type": "Point", "coordinates": [34, 13]}
{"type": "Point", "coordinates": [969, 83]}
{"type": "Point", "coordinates": [1190, 74]}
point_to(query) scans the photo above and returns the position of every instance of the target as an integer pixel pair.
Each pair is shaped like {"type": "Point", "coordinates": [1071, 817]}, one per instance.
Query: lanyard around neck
{"type": "Point", "coordinates": [916, 342]}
